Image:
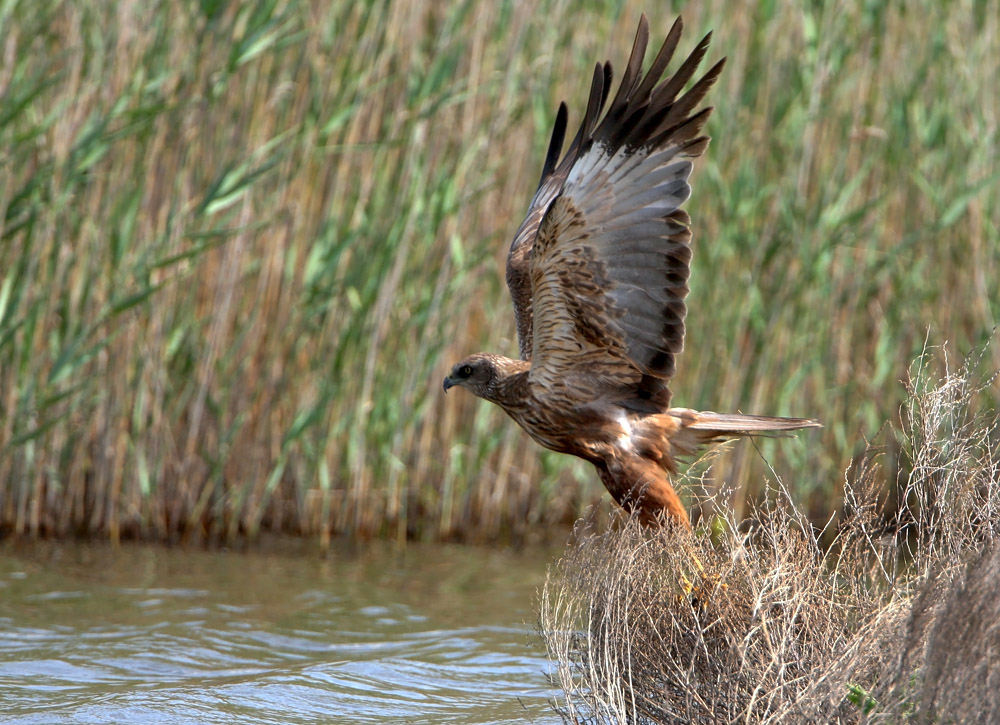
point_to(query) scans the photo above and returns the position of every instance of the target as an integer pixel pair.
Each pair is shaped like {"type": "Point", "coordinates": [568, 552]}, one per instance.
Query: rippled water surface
{"type": "Point", "coordinates": [93, 634]}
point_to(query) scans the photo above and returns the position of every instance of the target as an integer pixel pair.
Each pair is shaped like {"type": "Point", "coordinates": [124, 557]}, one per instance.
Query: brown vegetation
{"type": "Point", "coordinates": [889, 622]}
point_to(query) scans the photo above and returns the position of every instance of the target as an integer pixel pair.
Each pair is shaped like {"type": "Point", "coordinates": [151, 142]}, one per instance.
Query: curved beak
{"type": "Point", "coordinates": [449, 383]}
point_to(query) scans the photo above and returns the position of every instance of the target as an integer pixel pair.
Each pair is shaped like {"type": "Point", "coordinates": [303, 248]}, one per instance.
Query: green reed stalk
{"type": "Point", "coordinates": [241, 244]}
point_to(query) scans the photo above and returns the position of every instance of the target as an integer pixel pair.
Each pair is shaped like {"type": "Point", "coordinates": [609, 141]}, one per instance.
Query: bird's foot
{"type": "Point", "coordinates": [701, 586]}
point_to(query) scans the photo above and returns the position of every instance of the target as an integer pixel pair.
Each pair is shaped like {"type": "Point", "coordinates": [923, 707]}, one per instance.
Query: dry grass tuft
{"type": "Point", "coordinates": [953, 633]}
{"type": "Point", "coordinates": [793, 630]}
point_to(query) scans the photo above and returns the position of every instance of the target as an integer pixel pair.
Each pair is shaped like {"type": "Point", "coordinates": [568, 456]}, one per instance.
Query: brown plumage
{"type": "Point", "coordinates": [598, 273]}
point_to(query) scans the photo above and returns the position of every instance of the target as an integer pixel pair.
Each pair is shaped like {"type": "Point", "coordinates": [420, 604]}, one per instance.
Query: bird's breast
{"type": "Point", "coordinates": [584, 432]}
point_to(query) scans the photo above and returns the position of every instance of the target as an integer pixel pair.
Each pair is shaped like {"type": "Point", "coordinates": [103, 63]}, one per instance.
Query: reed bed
{"type": "Point", "coordinates": [895, 621]}
{"type": "Point", "coordinates": [241, 243]}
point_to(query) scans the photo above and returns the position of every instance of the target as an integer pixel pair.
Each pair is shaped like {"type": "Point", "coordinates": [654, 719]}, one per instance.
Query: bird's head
{"type": "Point", "coordinates": [480, 373]}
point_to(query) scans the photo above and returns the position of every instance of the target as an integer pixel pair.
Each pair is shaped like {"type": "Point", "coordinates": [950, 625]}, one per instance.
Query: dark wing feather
{"type": "Point", "coordinates": [549, 187]}
{"type": "Point", "coordinates": [606, 248]}
{"type": "Point", "coordinates": [519, 256]}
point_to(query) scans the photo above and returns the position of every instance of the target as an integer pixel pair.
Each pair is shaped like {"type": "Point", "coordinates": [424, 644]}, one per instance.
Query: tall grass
{"type": "Point", "coordinates": [241, 243]}
{"type": "Point", "coordinates": [889, 624]}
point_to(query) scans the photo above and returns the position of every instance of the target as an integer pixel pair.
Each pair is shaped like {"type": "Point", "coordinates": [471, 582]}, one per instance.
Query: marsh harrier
{"type": "Point", "coordinates": [598, 273]}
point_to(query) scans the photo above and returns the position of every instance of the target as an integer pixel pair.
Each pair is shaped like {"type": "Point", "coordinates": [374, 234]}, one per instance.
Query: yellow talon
{"type": "Point", "coordinates": [708, 582]}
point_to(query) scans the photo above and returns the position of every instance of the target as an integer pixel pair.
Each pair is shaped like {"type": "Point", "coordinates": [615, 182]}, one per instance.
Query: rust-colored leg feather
{"type": "Point", "coordinates": [639, 484]}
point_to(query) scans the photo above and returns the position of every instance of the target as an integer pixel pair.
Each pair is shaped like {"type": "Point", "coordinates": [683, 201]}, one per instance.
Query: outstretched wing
{"type": "Point", "coordinates": [608, 262]}
{"type": "Point", "coordinates": [519, 256]}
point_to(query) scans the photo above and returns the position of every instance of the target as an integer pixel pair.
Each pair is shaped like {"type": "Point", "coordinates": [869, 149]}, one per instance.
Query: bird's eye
{"type": "Point", "coordinates": [466, 371]}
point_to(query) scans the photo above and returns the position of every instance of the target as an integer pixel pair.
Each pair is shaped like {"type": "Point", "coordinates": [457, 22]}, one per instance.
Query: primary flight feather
{"type": "Point", "coordinates": [598, 273]}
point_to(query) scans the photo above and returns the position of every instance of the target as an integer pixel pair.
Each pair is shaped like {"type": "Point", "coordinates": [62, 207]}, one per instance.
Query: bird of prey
{"type": "Point", "coordinates": [598, 273]}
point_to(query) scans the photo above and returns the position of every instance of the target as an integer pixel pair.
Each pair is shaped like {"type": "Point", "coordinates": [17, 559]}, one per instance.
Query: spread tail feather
{"type": "Point", "coordinates": [682, 432]}
{"type": "Point", "coordinates": [701, 428]}
{"type": "Point", "coordinates": [735, 424]}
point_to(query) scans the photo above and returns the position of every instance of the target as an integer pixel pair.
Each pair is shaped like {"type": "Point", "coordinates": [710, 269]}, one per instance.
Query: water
{"type": "Point", "coordinates": [143, 634]}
